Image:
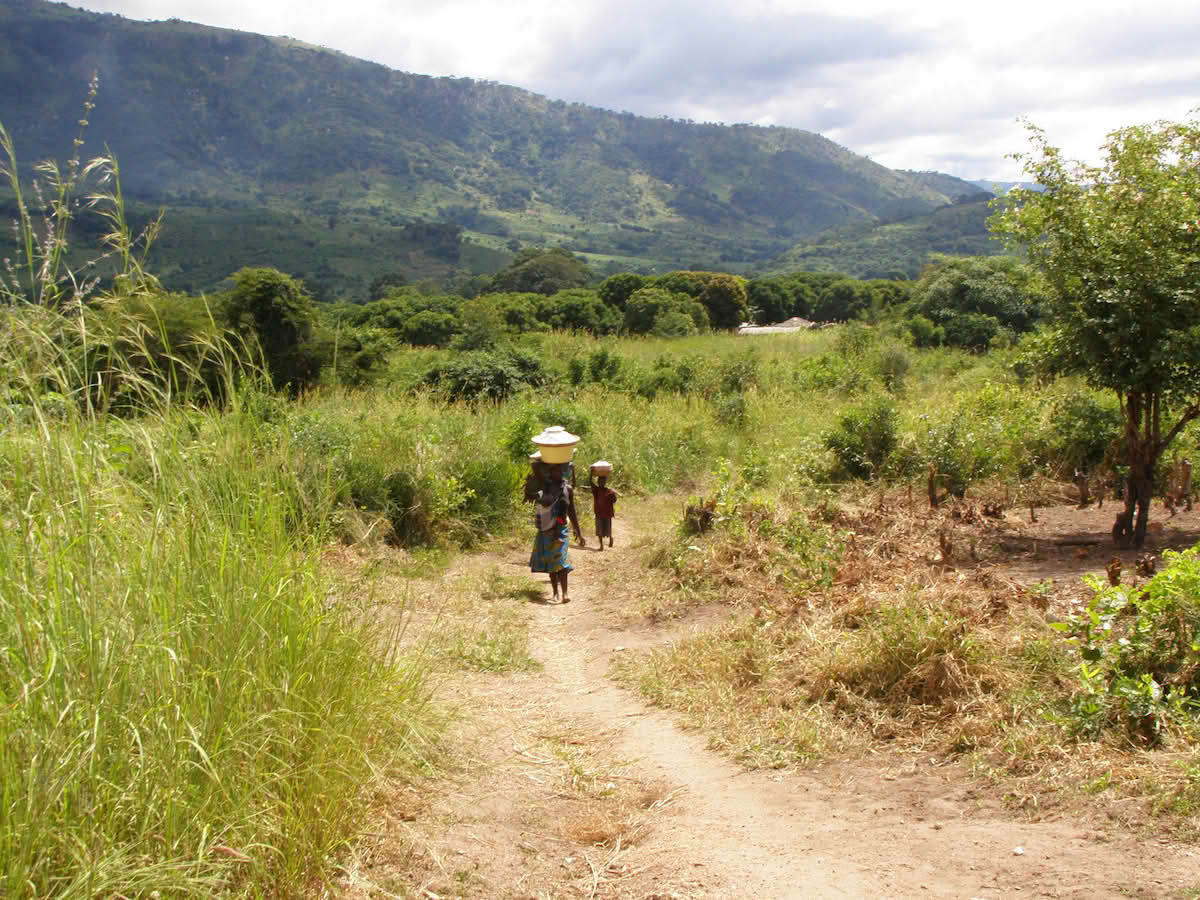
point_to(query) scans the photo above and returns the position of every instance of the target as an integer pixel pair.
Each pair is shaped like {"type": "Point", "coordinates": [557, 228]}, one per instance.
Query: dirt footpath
{"type": "Point", "coordinates": [571, 787]}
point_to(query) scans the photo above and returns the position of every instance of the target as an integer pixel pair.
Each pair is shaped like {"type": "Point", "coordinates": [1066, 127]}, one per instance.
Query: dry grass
{"type": "Point", "coordinates": [918, 641]}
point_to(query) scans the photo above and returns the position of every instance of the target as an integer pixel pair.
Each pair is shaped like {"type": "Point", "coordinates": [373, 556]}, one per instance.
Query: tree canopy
{"type": "Point", "coordinates": [1119, 245]}
{"type": "Point", "coordinates": [973, 299]}
{"type": "Point", "coordinates": [541, 271]}
{"type": "Point", "coordinates": [278, 312]}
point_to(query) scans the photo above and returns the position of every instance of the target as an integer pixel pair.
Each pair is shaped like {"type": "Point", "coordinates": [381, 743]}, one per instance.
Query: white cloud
{"type": "Point", "coordinates": [925, 85]}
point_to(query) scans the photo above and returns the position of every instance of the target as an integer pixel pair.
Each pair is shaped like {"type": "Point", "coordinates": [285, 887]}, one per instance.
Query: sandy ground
{"type": "Point", "coordinates": [571, 787]}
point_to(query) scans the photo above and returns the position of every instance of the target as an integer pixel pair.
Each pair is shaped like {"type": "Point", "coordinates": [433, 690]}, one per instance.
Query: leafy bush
{"type": "Point", "coordinates": [950, 452]}
{"type": "Point", "coordinates": [865, 437]}
{"type": "Point", "coordinates": [1139, 651]}
{"type": "Point", "coordinates": [483, 375]}
{"type": "Point", "coordinates": [854, 340]}
{"type": "Point", "coordinates": [732, 410]}
{"type": "Point", "coordinates": [531, 418]}
{"type": "Point", "coordinates": [673, 323]}
{"type": "Point", "coordinates": [1082, 430]}
{"type": "Point", "coordinates": [577, 371]}
{"type": "Point", "coordinates": [819, 373]}
{"type": "Point", "coordinates": [892, 366]}
{"type": "Point", "coordinates": [580, 310]}
{"type": "Point", "coordinates": [925, 333]}
{"type": "Point", "coordinates": [678, 375]}
{"type": "Point", "coordinates": [974, 331]}
{"type": "Point", "coordinates": [738, 374]}
{"type": "Point", "coordinates": [275, 309]}
{"type": "Point", "coordinates": [430, 329]}
{"type": "Point", "coordinates": [603, 365]}
{"type": "Point", "coordinates": [646, 305]}
{"type": "Point", "coordinates": [362, 355]}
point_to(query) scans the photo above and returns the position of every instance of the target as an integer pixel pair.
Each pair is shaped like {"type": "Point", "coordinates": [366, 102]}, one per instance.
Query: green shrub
{"type": "Point", "coordinates": [738, 374]}
{"type": "Point", "coordinates": [925, 333]}
{"type": "Point", "coordinates": [679, 375]}
{"type": "Point", "coordinates": [430, 329]}
{"type": "Point", "coordinates": [951, 453]}
{"type": "Point", "coordinates": [731, 410]}
{"type": "Point", "coordinates": [1139, 650]}
{"type": "Point", "coordinates": [854, 339]}
{"type": "Point", "coordinates": [974, 331]}
{"type": "Point", "coordinates": [577, 371]}
{"type": "Point", "coordinates": [275, 310]}
{"type": "Point", "coordinates": [864, 438]}
{"type": "Point", "coordinates": [598, 366]}
{"type": "Point", "coordinates": [490, 490]}
{"type": "Point", "coordinates": [819, 373]}
{"type": "Point", "coordinates": [487, 375]}
{"type": "Point", "coordinates": [1082, 429]}
{"type": "Point", "coordinates": [603, 365]}
{"type": "Point", "coordinates": [578, 309]}
{"type": "Point", "coordinates": [531, 417]}
{"type": "Point", "coordinates": [892, 366]}
{"type": "Point", "coordinates": [673, 323]}
{"type": "Point", "coordinates": [646, 305]}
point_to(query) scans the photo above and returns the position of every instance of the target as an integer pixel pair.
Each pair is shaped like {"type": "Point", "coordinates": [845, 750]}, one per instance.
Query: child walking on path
{"type": "Point", "coordinates": [604, 501]}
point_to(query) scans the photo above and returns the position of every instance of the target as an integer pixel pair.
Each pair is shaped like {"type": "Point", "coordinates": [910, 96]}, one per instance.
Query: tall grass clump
{"type": "Point", "coordinates": [185, 710]}
{"type": "Point", "coordinates": [430, 471]}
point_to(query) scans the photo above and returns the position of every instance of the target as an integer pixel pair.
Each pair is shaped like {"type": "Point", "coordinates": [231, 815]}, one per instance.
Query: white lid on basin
{"type": "Point", "coordinates": [555, 436]}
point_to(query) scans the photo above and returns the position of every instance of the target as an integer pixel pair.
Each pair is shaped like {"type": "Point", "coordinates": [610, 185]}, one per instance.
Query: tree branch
{"type": "Point", "coordinates": [1189, 414]}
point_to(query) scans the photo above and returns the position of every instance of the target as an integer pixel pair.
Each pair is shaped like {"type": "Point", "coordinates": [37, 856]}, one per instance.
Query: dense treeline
{"type": "Point", "coordinates": [973, 303]}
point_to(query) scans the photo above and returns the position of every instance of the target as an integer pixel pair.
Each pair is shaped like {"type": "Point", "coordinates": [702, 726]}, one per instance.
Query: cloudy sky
{"type": "Point", "coordinates": [938, 84]}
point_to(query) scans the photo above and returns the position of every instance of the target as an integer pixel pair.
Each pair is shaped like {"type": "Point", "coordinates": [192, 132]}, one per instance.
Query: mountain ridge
{"type": "Point", "coordinates": [351, 153]}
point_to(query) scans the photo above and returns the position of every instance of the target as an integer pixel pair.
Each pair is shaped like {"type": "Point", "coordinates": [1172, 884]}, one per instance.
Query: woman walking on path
{"type": "Point", "coordinates": [555, 507]}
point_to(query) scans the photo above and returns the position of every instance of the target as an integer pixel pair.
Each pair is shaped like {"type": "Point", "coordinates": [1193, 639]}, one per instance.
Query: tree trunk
{"type": "Point", "coordinates": [1144, 443]}
{"type": "Point", "coordinates": [1142, 452]}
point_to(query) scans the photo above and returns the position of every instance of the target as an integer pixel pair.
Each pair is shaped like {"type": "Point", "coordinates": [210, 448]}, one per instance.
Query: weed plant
{"type": "Point", "coordinates": [1139, 654]}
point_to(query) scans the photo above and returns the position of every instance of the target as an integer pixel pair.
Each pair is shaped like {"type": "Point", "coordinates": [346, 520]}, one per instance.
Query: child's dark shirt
{"type": "Point", "coordinates": [604, 501]}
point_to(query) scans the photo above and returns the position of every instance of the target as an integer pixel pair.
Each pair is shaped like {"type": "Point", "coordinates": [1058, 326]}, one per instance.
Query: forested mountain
{"type": "Point", "coordinates": [268, 151]}
{"type": "Point", "coordinates": [897, 249]}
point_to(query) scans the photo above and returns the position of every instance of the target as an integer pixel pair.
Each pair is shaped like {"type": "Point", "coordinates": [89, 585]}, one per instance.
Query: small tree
{"type": "Point", "coordinates": [542, 272]}
{"type": "Point", "coordinates": [974, 298]}
{"type": "Point", "coordinates": [1119, 244]}
{"type": "Point", "coordinates": [277, 310]}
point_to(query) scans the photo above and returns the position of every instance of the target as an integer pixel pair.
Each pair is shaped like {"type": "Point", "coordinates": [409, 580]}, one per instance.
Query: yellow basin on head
{"type": "Point", "coordinates": [556, 444]}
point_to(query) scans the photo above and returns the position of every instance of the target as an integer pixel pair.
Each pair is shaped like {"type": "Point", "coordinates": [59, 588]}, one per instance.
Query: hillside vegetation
{"type": "Point", "coordinates": [273, 152]}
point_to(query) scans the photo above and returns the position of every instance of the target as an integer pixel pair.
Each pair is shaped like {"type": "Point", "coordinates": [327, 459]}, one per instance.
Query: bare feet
{"type": "Point", "coordinates": [566, 599]}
